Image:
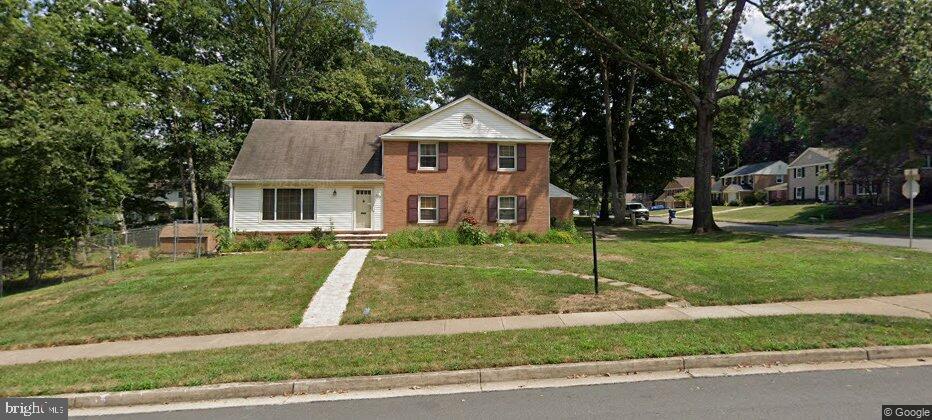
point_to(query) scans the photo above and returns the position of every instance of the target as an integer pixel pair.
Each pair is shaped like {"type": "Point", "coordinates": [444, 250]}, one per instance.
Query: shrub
{"type": "Point", "coordinates": [278, 245]}
{"type": "Point", "coordinates": [418, 238]}
{"type": "Point", "coordinates": [304, 240]}
{"type": "Point", "coordinates": [556, 236]}
{"type": "Point", "coordinates": [471, 234]}
{"type": "Point", "coordinates": [226, 241]}
{"type": "Point", "coordinates": [568, 225]}
{"type": "Point", "coordinates": [253, 243]}
{"type": "Point", "coordinates": [504, 234]}
{"type": "Point", "coordinates": [750, 200]}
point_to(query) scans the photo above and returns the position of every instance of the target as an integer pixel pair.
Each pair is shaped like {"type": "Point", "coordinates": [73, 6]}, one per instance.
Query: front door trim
{"type": "Point", "coordinates": [356, 212]}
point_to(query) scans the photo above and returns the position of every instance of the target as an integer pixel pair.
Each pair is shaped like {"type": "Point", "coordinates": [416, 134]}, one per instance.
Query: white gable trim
{"type": "Point", "coordinates": [533, 135]}
{"type": "Point", "coordinates": [811, 151]}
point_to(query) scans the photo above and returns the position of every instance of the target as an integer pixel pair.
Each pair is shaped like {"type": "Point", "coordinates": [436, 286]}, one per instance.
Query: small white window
{"type": "Point", "coordinates": [928, 163]}
{"type": "Point", "coordinates": [779, 179]}
{"type": "Point", "coordinates": [507, 157]}
{"type": "Point", "coordinates": [798, 193]}
{"type": "Point", "coordinates": [865, 189]}
{"type": "Point", "coordinates": [427, 156]}
{"type": "Point", "coordinates": [427, 209]}
{"type": "Point", "coordinates": [507, 209]}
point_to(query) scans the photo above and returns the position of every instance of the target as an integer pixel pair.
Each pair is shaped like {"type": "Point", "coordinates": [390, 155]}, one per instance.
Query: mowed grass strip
{"type": "Point", "coordinates": [899, 225]}
{"type": "Point", "coordinates": [777, 215]}
{"type": "Point", "coordinates": [396, 291]}
{"type": "Point", "coordinates": [188, 297]}
{"type": "Point", "coordinates": [463, 351]}
{"type": "Point", "coordinates": [720, 268]}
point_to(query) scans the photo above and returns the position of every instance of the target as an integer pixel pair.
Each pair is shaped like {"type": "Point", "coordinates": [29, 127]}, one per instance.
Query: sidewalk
{"type": "Point", "coordinates": [817, 232]}
{"type": "Point", "coordinates": [915, 306]}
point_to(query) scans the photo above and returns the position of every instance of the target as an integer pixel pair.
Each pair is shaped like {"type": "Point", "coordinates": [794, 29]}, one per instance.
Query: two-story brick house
{"type": "Point", "coordinates": [749, 179]}
{"type": "Point", "coordinates": [462, 159]}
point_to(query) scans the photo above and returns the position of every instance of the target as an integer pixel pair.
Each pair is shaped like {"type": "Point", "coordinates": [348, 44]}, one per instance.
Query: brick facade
{"type": "Point", "coordinates": [468, 183]}
{"type": "Point", "coordinates": [561, 208]}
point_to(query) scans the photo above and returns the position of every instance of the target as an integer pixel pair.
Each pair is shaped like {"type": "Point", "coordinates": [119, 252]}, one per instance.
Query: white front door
{"type": "Point", "coordinates": [363, 209]}
{"type": "Point", "coordinates": [822, 190]}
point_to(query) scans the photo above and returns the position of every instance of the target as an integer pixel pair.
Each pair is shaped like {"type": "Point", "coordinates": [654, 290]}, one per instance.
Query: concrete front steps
{"type": "Point", "coordinates": [360, 239]}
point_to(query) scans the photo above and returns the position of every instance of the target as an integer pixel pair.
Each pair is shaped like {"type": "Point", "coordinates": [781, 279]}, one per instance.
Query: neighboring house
{"type": "Point", "coordinates": [462, 159]}
{"type": "Point", "coordinates": [748, 179]}
{"type": "Point", "coordinates": [676, 186]}
{"type": "Point", "coordinates": [808, 179]}
{"type": "Point", "coordinates": [561, 203]}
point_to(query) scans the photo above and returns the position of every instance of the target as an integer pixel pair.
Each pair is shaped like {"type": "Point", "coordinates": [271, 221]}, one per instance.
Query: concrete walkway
{"type": "Point", "coordinates": [915, 306]}
{"type": "Point", "coordinates": [814, 232]}
{"type": "Point", "coordinates": [330, 301]}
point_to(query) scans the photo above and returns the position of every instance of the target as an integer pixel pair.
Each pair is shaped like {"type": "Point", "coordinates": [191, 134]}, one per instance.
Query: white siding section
{"type": "Point", "coordinates": [331, 211]}
{"type": "Point", "coordinates": [448, 123]}
{"type": "Point", "coordinates": [377, 209]}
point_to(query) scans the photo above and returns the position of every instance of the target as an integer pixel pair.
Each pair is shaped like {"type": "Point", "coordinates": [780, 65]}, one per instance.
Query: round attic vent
{"type": "Point", "coordinates": [468, 120]}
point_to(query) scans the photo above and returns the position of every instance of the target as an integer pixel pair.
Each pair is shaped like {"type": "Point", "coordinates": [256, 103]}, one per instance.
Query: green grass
{"type": "Point", "coordinates": [721, 268]}
{"type": "Point", "coordinates": [462, 351]}
{"type": "Point", "coordinates": [395, 291]}
{"type": "Point", "coordinates": [777, 215]}
{"type": "Point", "coordinates": [196, 296]}
{"type": "Point", "coordinates": [898, 225]}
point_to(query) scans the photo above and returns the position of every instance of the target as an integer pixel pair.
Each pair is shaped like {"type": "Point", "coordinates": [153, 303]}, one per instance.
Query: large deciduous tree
{"type": "Point", "coordinates": [723, 62]}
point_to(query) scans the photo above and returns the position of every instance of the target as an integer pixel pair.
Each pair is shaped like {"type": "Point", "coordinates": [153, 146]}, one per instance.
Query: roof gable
{"type": "Point", "coordinates": [777, 167]}
{"type": "Point", "coordinates": [815, 156]}
{"type": "Point", "coordinates": [447, 122]}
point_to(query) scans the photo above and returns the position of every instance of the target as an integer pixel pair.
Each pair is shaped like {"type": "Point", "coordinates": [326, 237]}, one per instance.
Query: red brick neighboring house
{"type": "Point", "coordinates": [464, 159]}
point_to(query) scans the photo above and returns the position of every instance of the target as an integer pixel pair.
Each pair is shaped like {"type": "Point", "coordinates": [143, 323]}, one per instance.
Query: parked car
{"type": "Point", "coordinates": [638, 209]}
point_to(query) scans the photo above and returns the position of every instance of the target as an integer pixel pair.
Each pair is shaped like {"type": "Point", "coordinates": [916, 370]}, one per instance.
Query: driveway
{"type": "Point", "coordinates": [809, 231]}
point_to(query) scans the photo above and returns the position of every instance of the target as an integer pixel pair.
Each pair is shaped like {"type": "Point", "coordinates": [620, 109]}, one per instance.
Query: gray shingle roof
{"type": "Point", "coordinates": [556, 192]}
{"type": "Point", "coordinates": [311, 150]}
{"type": "Point", "coordinates": [777, 167]}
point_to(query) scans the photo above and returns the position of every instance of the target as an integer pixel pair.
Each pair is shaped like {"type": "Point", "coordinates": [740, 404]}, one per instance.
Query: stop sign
{"type": "Point", "coordinates": [910, 189]}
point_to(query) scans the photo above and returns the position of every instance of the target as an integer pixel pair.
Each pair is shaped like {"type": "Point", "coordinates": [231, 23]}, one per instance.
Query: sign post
{"type": "Point", "coordinates": [595, 257]}
{"type": "Point", "coordinates": [910, 191]}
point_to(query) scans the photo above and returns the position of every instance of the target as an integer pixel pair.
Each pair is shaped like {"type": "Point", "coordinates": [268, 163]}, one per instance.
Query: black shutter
{"type": "Point", "coordinates": [493, 208]}
{"type": "Point", "coordinates": [493, 156]}
{"type": "Point", "coordinates": [442, 156]}
{"type": "Point", "coordinates": [412, 209]}
{"type": "Point", "coordinates": [412, 155]}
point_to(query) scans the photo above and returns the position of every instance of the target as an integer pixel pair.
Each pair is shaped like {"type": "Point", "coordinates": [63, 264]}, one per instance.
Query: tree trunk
{"type": "Point", "coordinates": [603, 203]}
{"type": "Point", "coordinates": [703, 221]}
{"type": "Point", "coordinates": [33, 266]}
{"type": "Point", "coordinates": [625, 142]}
{"type": "Point", "coordinates": [193, 181]}
{"type": "Point", "coordinates": [617, 207]}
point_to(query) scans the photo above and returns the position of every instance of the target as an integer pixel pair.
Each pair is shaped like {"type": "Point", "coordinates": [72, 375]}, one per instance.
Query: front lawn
{"type": "Point", "coordinates": [396, 291]}
{"type": "Point", "coordinates": [777, 214]}
{"type": "Point", "coordinates": [898, 225]}
{"type": "Point", "coordinates": [195, 296]}
{"type": "Point", "coordinates": [462, 351]}
{"type": "Point", "coordinates": [722, 268]}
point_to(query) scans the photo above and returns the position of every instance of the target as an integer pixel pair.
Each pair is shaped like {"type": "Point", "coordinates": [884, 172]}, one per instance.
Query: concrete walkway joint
{"type": "Point", "coordinates": [329, 303]}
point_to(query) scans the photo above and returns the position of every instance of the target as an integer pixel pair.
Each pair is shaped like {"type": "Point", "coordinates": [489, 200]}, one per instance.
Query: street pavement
{"type": "Point", "coordinates": [839, 394]}
{"type": "Point", "coordinates": [806, 231]}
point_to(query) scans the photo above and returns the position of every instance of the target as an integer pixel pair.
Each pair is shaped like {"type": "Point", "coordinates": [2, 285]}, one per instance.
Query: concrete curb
{"type": "Point", "coordinates": [485, 376]}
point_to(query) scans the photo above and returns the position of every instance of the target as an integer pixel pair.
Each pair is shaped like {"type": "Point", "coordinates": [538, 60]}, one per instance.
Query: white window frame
{"type": "Point", "coordinates": [420, 155]}
{"type": "Point", "coordinates": [514, 157]}
{"type": "Point", "coordinates": [436, 209]}
{"type": "Point", "coordinates": [928, 164]}
{"type": "Point", "coordinates": [779, 179]}
{"type": "Point", "coordinates": [798, 193]}
{"type": "Point", "coordinates": [500, 207]}
{"type": "Point", "coordinates": [861, 189]}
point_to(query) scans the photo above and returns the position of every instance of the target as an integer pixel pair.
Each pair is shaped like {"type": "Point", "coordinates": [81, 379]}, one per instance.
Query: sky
{"type": "Point", "coordinates": [406, 25]}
